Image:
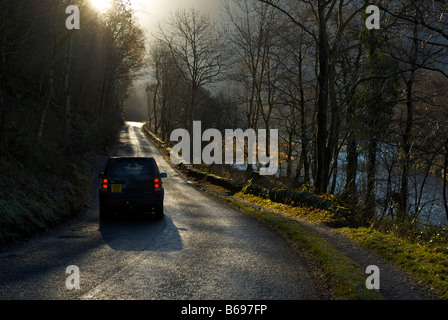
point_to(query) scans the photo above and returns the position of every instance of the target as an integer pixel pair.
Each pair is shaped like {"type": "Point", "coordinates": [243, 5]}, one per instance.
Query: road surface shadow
{"type": "Point", "coordinates": [141, 233]}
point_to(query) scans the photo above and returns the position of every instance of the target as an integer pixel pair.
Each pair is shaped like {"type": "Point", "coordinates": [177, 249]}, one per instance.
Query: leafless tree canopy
{"type": "Point", "coordinates": [350, 102]}
{"type": "Point", "coordinates": [75, 75]}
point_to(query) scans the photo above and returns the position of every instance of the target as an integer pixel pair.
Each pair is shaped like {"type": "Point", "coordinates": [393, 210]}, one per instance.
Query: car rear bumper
{"type": "Point", "coordinates": [112, 204]}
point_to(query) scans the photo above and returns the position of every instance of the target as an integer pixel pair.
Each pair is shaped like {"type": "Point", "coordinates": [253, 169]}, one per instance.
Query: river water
{"type": "Point", "coordinates": [425, 199]}
{"type": "Point", "coordinates": [425, 203]}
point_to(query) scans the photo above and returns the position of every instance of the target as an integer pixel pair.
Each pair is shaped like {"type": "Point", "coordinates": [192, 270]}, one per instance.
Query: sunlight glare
{"type": "Point", "coordinates": [101, 5]}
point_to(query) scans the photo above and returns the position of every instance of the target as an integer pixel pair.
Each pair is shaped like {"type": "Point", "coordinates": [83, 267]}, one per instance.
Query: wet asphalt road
{"type": "Point", "coordinates": [202, 249]}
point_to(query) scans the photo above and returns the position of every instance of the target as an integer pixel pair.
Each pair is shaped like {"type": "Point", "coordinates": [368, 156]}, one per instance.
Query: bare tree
{"type": "Point", "coordinates": [124, 56]}
{"type": "Point", "coordinates": [252, 29]}
{"type": "Point", "coordinates": [168, 89]}
{"type": "Point", "coordinates": [416, 44]}
{"type": "Point", "coordinates": [327, 25]}
{"type": "Point", "coordinates": [197, 50]}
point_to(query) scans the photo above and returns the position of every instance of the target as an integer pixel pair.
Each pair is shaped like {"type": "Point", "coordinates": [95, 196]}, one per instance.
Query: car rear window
{"type": "Point", "coordinates": [135, 169]}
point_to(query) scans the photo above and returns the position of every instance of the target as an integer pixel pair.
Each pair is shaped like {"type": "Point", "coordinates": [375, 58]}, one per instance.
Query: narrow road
{"type": "Point", "coordinates": [202, 249]}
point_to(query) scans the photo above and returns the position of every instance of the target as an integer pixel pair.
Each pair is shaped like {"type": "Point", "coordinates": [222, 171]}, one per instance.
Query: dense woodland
{"type": "Point", "coordinates": [61, 98]}
{"type": "Point", "coordinates": [54, 80]}
{"type": "Point", "coordinates": [374, 98]}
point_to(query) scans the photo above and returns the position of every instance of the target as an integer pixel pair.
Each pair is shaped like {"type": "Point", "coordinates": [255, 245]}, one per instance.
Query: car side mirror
{"type": "Point", "coordinates": [163, 175]}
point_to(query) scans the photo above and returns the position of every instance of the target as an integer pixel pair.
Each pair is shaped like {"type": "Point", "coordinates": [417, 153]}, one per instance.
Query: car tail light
{"type": "Point", "coordinates": [105, 185]}
{"type": "Point", "coordinates": [157, 185]}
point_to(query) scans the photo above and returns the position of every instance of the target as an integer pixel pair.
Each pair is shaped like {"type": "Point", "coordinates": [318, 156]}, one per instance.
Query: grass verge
{"type": "Point", "coordinates": [429, 263]}
{"type": "Point", "coordinates": [426, 260]}
{"type": "Point", "coordinates": [345, 277]}
{"type": "Point", "coordinates": [32, 203]}
{"type": "Point", "coordinates": [310, 214]}
{"type": "Point", "coordinates": [45, 184]}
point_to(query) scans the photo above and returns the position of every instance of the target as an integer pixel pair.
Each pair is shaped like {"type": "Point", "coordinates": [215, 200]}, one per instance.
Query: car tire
{"type": "Point", "coordinates": [104, 214]}
{"type": "Point", "coordinates": [158, 211]}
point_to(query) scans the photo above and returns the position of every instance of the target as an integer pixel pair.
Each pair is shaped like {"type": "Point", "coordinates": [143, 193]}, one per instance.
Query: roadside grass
{"type": "Point", "coordinates": [311, 214]}
{"type": "Point", "coordinates": [428, 262]}
{"type": "Point", "coordinates": [345, 277]}
{"type": "Point", "coordinates": [32, 203]}
{"type": "Point", "coordinates": [46, 183]}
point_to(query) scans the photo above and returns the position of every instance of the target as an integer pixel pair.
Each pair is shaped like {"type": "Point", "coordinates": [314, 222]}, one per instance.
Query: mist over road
{"type": "Point", "coordinates": [202, 249]}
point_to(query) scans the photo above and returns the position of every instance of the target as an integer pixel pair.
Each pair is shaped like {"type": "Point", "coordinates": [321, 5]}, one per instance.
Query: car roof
{"type": "Point", "coordinates": [119, 159]}
{"type": "Point", "coordinates": [131, 158]}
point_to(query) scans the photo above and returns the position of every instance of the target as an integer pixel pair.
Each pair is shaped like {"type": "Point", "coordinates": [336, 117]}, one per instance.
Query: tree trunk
{"type": "Point", "coordinates": [371, 179]}
{"type": "Point", "coordinates": [68, 107]}
{"type": "Point", "coordinates": [43, 115]}
{"type": "Point", "coordinates": [289, 154]}
{"type": "Point", "coordinates": [104, 90]}
{"type": "Point", "coordinates": [404, 192]}
{"type": "Point", "coordinates": [352, 156]}
{"type": "Point", "coordinates": [303, 134]}
{"type": "Point", "coordinates": [322, 164]}
{"type": "Point", "coordinates": [2, 119]}
{"type": "Point", "coordinates": [154, 105]}
{"type": "Point", "coordinates": [445, 176]}
{"type": "Point", "coordinates": [333, 137]}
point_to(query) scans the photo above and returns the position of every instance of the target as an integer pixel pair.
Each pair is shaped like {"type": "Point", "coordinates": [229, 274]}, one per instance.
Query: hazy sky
{"type": "Point", "coordinates": [152, 11]}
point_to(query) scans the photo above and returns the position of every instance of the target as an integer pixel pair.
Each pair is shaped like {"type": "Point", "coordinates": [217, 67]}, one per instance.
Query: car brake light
{"type": "Point", "coordinates": [156, 185]}
{"type": "Point", "coordinates": [105, 184]}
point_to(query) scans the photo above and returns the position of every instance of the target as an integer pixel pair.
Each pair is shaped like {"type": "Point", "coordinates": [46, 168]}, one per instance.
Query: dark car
{"type": "Point", "coordinates": [131, 185]}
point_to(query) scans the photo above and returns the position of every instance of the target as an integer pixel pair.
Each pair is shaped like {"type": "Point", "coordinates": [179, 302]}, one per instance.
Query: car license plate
{"type": "Point", "coordinates": [116, 188]}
